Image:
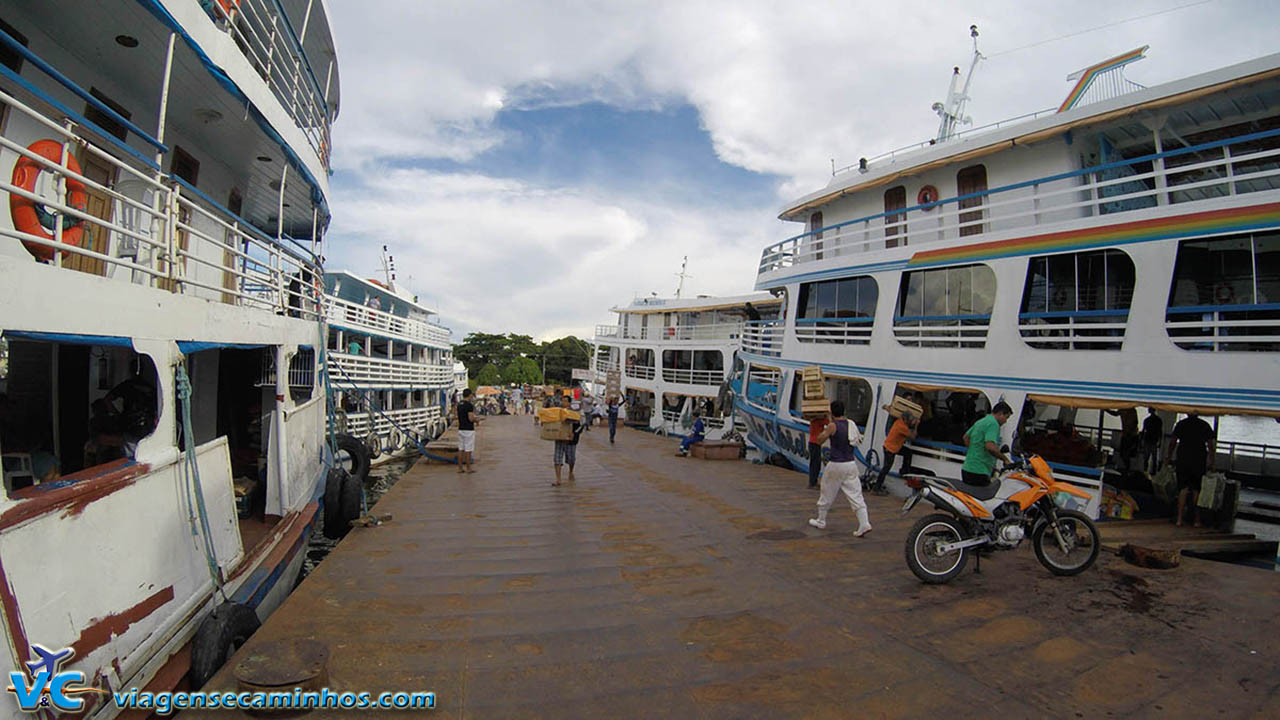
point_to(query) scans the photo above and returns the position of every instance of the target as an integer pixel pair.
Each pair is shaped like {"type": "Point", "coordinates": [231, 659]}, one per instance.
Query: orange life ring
{"type": "Point", "coordinates": [31, 217]}
{"type": "Point", "coordinates": [927, 195]}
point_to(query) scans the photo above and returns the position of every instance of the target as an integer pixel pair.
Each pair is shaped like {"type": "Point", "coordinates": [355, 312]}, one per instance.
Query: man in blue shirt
{"type": "Point", "coordinates": [696, 435]}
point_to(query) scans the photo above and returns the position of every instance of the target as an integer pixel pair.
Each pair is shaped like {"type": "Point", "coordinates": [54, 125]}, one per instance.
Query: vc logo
{"type": "Point", "coordinates": [49, 687]}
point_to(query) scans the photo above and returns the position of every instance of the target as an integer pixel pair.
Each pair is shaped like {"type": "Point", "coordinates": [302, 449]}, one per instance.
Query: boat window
{"type": "Point", "coordinates": [103, 120]}
{"type": "Point", "coordinates": [302, 374]}
{"type": "Point", "coordinates": [1225, 294]}
{"type": "Point", "coordinates": [69, 407]}
{"type": "Point", "coordinates": [837, 311]}
{"type": "Point", "coordinates": [895, 225]}
{"type": "Point", "coordinates": [185, 166]}
{"type": "Point", "coordinates": [972, 179]}
{"type": "Point", "coordinates": [945, 307]}
{"type": "Point", "coordinates": [763, 384]}
{"type": "Point", "coordinates": [947, 413]}
{"type": "Point", "coordinates": [8, 56]}
{"type": "Point", "coordinates": [854, 392]}
{"type": "Point", "coordinates": [1077, 301]}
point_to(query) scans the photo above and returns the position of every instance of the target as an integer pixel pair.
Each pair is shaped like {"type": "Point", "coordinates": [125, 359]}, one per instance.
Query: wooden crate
{"type": "Point", "coordinates": [716, 450]}
{"type": "Point", "coordinates": [901, 405]}
{"type": "Point", "coordinates": [811, 408]}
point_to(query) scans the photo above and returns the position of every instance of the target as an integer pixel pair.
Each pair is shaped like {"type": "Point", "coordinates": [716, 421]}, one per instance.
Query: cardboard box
{"type": "Point", "coordinates": [556, 430]}
{"type": "Point", "coordinates": [556, 414]}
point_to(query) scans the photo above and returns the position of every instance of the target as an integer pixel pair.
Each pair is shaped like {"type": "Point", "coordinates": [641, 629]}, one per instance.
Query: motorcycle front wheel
{"type": "Point", "coordinates": [923, 557]}
{"type": "Point", "coordinates": [1072, 553]}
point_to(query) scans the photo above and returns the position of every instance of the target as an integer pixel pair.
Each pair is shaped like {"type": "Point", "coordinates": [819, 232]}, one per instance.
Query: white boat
{"type": "Point", "coordinates": [392, 364]}
{"type": "Point", "coordinates": [1117, 254]}
{"type": "Point", "coordinates": [165, 164]}
{"type": "Point", "coordinates": [672, 356]}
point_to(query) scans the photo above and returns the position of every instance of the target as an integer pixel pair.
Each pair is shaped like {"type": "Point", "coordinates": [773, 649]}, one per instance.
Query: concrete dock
{"type": "Point", "coordinates": [657, 586]}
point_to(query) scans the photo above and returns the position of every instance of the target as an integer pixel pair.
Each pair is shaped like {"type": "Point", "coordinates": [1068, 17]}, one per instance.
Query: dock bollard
{"type": "Point", "coordinates": [281, 666]}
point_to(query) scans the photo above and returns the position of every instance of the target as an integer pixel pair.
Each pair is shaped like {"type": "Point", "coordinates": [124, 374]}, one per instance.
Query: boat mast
{"type": "Point", "coordinates": [388, 267]}
{"type": "Point", "coordinates": [682, 275]}
{"type": "Point", "coordinates": [952, 112]}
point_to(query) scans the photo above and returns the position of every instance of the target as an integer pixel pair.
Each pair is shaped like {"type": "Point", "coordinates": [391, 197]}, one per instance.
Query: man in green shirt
{"type": "Point", "coordinates": [983, 440]}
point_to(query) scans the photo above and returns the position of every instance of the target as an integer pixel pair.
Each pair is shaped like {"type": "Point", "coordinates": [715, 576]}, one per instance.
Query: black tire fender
{"type": "Point", "coordinates": [358, 453]}
{"type": "Point", "coordinates": [334, 526]}
{"type": "Point", "coordinates": [350, 505]}
{"type": "Point", "coordinates": [220, 634]}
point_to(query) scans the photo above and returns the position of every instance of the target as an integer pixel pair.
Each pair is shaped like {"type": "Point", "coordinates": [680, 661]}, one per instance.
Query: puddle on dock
{"type": "Point", "coordinates": [380, 480]}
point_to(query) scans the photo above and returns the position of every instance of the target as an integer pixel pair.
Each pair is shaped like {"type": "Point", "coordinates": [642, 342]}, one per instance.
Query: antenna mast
{"type": "Point", "coordinates": [682, 275]}
{"type": "Point", "coordinates": [952, 112]}
{"type": "Point", "coordinates": [388, 266]}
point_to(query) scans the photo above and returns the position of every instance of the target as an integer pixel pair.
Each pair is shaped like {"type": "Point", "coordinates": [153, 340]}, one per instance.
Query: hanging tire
{"type": "Point", "coordinates": [927, 564]}
{"type": "Point", "coordinates": [217, 639]}
{"type": "Point", "coordinates": [350, 506]}
{"type": "Point", "coordinates": [353, 456]}
{"type": "Point", "coordinates": [374, 443]}
{"type": "Point", "coordinates": [395, 440]}
{"type": "Point", "coordinates": [334, 526]}
{"type": "Point", "coordinates": [1081, 538]}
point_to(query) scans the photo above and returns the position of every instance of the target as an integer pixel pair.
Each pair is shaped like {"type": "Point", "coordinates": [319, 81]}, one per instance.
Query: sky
{"type": "Point", "coordinates": [531, 164]}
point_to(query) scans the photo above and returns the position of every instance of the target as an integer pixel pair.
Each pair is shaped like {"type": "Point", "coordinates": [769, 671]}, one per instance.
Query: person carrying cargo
{"type": "Point", "coordinates": [567, 450]}
{"type": "Point", "coordinates": [894, 445]}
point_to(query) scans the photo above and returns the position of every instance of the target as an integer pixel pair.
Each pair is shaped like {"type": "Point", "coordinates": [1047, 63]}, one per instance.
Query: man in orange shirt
{"type": "Point", "coordinates": [894, 445]}
{"type": "Point", "coordinates": [815, 449]}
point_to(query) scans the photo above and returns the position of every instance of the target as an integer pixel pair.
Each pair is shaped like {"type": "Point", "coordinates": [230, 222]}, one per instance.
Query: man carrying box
{"type": "Point", "coordinates": [567, 450]}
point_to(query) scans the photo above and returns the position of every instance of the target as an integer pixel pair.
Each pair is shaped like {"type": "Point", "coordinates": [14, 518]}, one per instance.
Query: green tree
{"type": "Point", "coordinates": [488, 375]}
{"type": "Point", "coordinates": [522, 370]}
{"type": "Point", "coordinates": [480, 349]}
{"type": "Point", "coordinates": [562, 356]}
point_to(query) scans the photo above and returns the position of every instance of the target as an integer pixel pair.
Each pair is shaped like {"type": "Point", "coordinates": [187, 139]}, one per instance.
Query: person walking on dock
{"type": "Point", "coordinates": [567, 450]}
{"type": "Point", "coordinates": [815, 449]}
{"type": "Point", "coordinates": [841, 474]}
{"type": "Point", "coordinates": [895, 445]}
{"type": "Point", "coordinates": [1192, 452]}
{"type": "Point", "coordinates": [614, 404]}
{"type": "Point", "coordinates": [466, 432]}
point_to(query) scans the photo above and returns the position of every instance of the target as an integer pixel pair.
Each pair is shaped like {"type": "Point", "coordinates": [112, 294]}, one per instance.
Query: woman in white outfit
{"type": "Point", "coordinates": [842, 472]}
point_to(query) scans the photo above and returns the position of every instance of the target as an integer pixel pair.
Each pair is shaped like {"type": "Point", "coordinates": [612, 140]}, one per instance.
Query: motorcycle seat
{"type": "Point", "coordinates": [979, 492]}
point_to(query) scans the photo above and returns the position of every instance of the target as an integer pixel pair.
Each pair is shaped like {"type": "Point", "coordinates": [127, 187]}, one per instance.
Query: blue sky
{"type": "Point", "coordinates": [531, 164]}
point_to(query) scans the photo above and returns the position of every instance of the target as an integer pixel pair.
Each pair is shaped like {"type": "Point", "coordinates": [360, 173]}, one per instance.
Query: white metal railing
{"type": "Point", "coordinates": [676, 419]}
{"type": "Point", "coordinates": [851, 331]}
{"type": "Point", "coordinates": [681, 333]}
{"type": "Point", "coordinates": [413, 419]}
{"type": "Point", "coordinates": [156, 230]}
{"type": "Point", "coordinates": [605, 366]}
{"type": "Point", "coordinates": [942, 330]}
{"type": "Point", "coordinates": [640, 372]}
{"type": "Point", "coordinates": [371, 372]}
{"type": "Point", "coordinates": [263, 33]}
{"type": "Point", "coordinates": [1100, 190]}
{"type": "Point", "coordinates": [692, 377]}
{"type": "Point", "coordinates": [1225, 327]}
{"type": "Point", "coordinates": [892, 155]}
{"type": "Point", "coordinates": [763, 337]}
{"type": "Point", "coordinates": [1080, 330]}
{"type": "Point", "coordinates": [363, 318]}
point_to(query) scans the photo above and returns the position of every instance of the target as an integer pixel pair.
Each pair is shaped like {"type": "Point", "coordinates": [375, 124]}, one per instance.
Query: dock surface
{"type": "Point", "coordinates": [659, 586]}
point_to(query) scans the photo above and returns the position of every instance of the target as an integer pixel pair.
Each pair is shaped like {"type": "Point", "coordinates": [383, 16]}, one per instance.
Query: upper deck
{"type": "Point", "coordinates": [1187, 143]}
{"type": "Point", "coordinates": [365, 306]}
{"type": "Point", "coordinates": [684, 321]}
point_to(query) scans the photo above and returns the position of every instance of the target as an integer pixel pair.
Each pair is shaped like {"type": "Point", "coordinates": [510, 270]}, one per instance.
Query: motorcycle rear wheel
{"type": "Point", "coordinates": [929, 565]}
{"type": "Point", "coordinates": [1082, 539]}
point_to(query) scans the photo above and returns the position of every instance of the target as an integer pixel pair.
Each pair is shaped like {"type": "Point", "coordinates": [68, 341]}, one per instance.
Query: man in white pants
{"type": "Point", "coordinates": [841, 474]}
{"type": "Point", "coordinates": [466, 432]}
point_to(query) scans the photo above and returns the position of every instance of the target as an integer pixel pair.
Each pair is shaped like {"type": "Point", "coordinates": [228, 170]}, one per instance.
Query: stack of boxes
{"type": "Point", "coordinates": [557, 423]}
{"type": "Point", "coordinates": [813, 402]}
{"type": "Point", "coordinates": [613, 385]}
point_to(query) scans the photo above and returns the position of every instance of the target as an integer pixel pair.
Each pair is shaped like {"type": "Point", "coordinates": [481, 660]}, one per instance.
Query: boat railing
{"type": "Point", "coordinates": [363, 371]}
{"type": "Point", "coordinates": [604, 366]}
{"type": "Point", "coordinates": [367, 319]}
{"type": "Point", "coordinates": [839, 331]}
{"type": "Point", "coordinates": [641, 372]}
{"type": "Point", "coordinates": [692, 377]}
{"type": "Point", "coordinates": [763, 337]}
{"type": "Point", "coordinates": [607, 331]}
{"type": "Point", "coordinates": [1214, 328]}
{"type": "Point", "coordinates": [1238, 165]}
{"type": "Point", "coordinates": [262, 31]}
{"type": "Point", "coordinates": [675, 419]}
{"type": "Point", "coordinates": [1248, 457]}
{"type": "Point", "coordinates": [681, 333]}
{"type": "Point", "coordinates": [1074, 329]}
{"type": "Point", "coordinates": [892, 155]}
{"type": "Point", "coordinates": [151, 229]}
{"type": "Point", "coordinates": [360, 424]}
{"type": "Point", "coordinates": [968, 331]}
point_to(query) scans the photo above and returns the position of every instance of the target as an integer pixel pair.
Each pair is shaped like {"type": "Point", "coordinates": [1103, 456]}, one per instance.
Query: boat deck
{"type": "Point", "coordinates": [657, 586]}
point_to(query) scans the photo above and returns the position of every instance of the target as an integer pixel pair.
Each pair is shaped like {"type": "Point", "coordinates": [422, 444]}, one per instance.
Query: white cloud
{"type": "Point", "coordinates": [781, 88]}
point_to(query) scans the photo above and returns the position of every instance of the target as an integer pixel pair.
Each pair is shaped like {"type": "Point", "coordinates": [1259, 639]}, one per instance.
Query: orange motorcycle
{"type": "Point", "coordinates": [1023, 500]}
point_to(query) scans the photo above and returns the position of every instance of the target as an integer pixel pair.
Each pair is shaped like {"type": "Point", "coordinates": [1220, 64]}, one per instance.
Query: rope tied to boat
{"type": "Point", "coordinates": [190, 468]}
